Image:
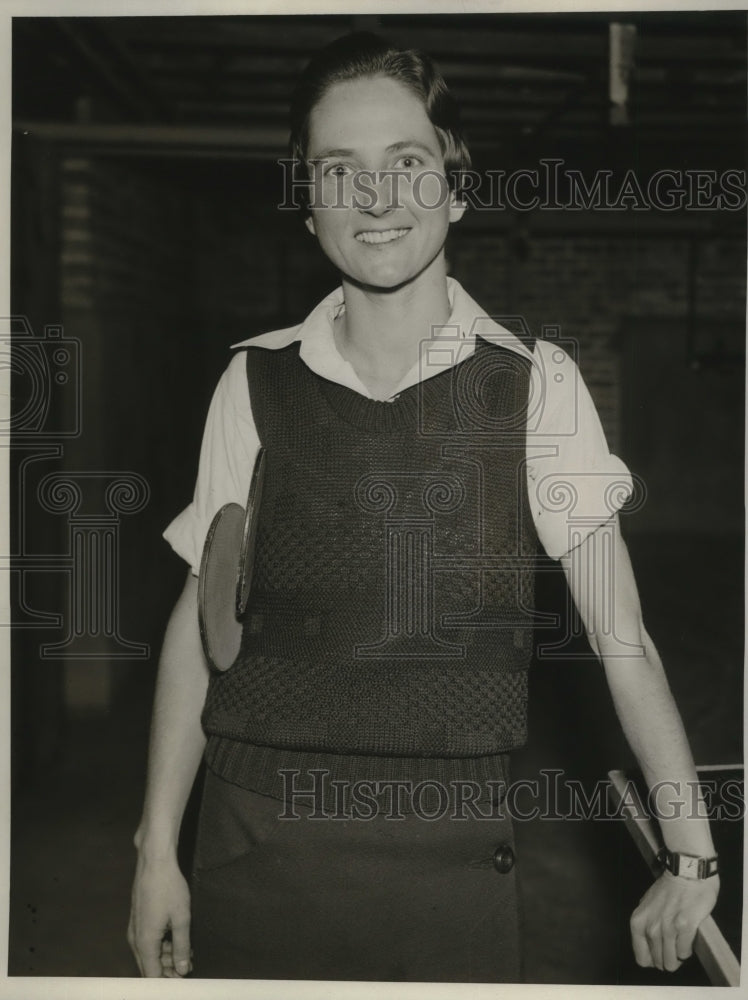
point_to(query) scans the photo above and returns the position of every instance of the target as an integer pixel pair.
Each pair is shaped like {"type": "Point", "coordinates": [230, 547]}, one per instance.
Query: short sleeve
{"type": "Point", "coordinates": [575, 483]}
{"type": "Point", "coordinates": [227, 454]}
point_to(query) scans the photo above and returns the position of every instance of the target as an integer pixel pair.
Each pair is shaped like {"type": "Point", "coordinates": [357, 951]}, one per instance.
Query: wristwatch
{"type": "Point", "coordinates": [688, 865]}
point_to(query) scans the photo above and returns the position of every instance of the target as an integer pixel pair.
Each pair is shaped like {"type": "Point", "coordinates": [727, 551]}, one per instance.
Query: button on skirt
{"type": "Point", "coordinates": [378, 899]}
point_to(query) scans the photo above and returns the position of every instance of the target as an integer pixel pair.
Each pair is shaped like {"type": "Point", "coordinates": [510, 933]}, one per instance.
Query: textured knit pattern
{"type": "Point", "coordinates": [391, 606]}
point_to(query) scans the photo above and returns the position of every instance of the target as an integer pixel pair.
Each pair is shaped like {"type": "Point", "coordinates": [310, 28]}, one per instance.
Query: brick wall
{"type": "Point", "coordinates": [591, 286]}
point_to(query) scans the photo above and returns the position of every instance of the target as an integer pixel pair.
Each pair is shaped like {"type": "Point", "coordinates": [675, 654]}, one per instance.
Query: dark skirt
{"type": "Point", "coordinates": [382, 899]}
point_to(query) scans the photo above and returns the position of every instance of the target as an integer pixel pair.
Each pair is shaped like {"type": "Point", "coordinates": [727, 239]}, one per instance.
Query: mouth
{"type": "Point", "coordinates": [379, 237]}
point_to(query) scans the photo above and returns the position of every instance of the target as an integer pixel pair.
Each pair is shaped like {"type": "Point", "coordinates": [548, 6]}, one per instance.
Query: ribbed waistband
{"type": "Point", "coordinates": [315, 780]}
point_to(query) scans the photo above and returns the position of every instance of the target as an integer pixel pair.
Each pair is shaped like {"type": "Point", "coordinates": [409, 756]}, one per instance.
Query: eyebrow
{"type": "Point", "coordinates": [394, 147]}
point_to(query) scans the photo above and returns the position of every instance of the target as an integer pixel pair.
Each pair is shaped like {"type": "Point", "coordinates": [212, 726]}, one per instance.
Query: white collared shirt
{"type": "Point", "coordinates": [575, 484]}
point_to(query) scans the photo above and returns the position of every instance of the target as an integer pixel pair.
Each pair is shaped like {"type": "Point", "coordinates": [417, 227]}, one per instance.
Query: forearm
{"type": "Point", "coordinates": [601, 581]}
{"type": "Point", "coordinates": [177, 740]}
{"type": "Point", "coordinates": [602, 584]}
{"type": "Point", "coordinates": [653, 727]}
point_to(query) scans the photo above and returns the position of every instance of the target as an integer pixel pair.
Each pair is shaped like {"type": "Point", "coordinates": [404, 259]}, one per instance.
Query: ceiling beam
{"type": "Point", "coordinates": [496, 39]}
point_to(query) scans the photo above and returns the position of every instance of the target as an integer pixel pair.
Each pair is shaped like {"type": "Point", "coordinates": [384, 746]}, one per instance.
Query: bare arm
{"type": "Point", "coordinates": [160, 897]}
{"type": "Point", "coordinates": [604, 590]}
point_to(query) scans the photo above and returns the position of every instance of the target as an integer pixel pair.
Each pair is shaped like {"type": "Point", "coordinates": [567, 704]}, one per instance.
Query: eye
{"type": "Point", "coordinates": [409, 160]}
{"type": "Point", "coordinates": [337, 170]}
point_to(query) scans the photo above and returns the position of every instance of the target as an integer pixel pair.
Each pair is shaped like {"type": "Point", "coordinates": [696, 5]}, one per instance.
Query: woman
{"type": "Point", "coordinates": [387, 637]}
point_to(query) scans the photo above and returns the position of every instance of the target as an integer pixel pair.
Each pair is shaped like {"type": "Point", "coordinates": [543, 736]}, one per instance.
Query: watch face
{"type": "Point", "coordinates": [688, 866]}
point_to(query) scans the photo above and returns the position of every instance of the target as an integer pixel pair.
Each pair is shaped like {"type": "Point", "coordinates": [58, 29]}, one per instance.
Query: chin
{"type": "Point", "coordinates": [388, 275]}
{"type": "Point", "coordinates": [380, 282]}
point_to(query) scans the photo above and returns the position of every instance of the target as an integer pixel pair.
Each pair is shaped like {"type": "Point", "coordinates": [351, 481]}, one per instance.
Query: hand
{"type": "Point", "coordinates": [665, 922]}
{"type": "Point", "coordinates": [160, 904]}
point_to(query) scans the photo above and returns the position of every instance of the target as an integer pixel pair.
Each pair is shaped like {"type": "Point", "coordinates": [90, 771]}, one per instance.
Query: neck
{"type": "Point", "coordinates": [381, 331]}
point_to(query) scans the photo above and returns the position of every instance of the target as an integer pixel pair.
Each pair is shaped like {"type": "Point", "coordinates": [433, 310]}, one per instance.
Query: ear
{"type": "Point", "coordinates": [309, 223]}
{"type": "Point", "coordinates": [457, 206]}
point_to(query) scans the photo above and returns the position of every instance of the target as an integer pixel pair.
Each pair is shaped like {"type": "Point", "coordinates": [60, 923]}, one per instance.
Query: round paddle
{"type": "Point", "coordinates": [226, 573]}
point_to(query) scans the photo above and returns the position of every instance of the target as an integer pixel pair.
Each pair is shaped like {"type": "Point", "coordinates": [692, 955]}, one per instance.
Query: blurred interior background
{"type": "Point", "coordinates": [147, 238]}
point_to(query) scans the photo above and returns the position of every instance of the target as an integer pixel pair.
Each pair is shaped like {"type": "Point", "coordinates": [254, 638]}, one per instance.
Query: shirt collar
{"type": "Point", "coordinates": [448, 345]}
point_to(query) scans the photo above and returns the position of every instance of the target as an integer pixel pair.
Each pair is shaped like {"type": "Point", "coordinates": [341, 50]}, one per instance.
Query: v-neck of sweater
{"type": "Point", "coordinates": [398, 413]}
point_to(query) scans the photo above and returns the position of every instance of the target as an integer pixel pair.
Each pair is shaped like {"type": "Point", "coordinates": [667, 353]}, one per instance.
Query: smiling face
{"type": "Point", "coordinates": [380, 230]}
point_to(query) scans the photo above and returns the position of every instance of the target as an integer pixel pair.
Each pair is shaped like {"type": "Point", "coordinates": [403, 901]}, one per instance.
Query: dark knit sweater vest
{"type": "Point", "coordinates": [391, 607]}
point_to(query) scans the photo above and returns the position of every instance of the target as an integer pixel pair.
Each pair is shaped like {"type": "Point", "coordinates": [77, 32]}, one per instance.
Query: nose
{"type": "Point", "coordinates": [380, 196]}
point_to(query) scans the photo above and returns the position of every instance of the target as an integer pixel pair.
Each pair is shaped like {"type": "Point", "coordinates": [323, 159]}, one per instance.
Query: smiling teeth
{"type": "Point", "coordinates": [385, 237]}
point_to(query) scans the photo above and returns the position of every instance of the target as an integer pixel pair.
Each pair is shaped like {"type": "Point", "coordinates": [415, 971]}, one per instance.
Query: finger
{"type": "Point", "coordinates": [168, 967]}
{"type": "Point", "coordinates": [167, 959]}
{"type": "Point", "coordinates": [654, 940]}
{"type": "Point", "coordinates": [639, 940]}
{"type": "Point", "coordinates": [180, 935]}
{"type": "Point", "coordinates": [136, 953]}
{"type": "Point", "coordinates": [670, 959]}
{"type": "Point", "coordinates": [685, 934]}
{"type": "Point", "coordinates": [133, 948]}
{"type": "Point", "coordinates": [150, 953]}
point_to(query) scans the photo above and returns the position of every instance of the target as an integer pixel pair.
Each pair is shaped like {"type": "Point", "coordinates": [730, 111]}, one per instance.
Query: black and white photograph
{"type": "Point", "coordinates": [374, 473]}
